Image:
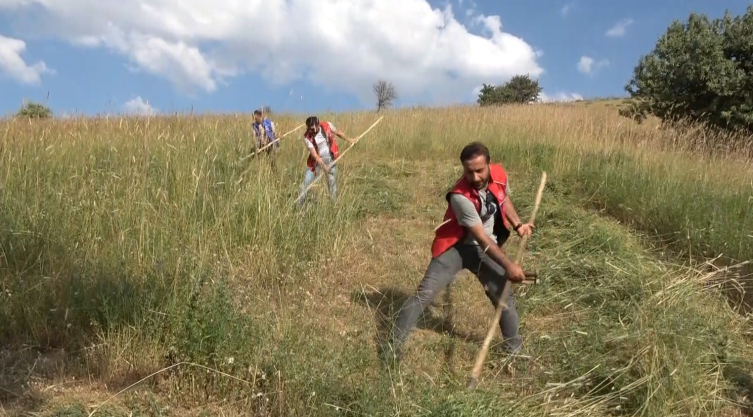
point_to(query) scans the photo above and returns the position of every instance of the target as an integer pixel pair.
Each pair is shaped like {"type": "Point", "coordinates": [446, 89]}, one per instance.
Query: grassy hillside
{"type": "Point", "coordinates": [128, 246]}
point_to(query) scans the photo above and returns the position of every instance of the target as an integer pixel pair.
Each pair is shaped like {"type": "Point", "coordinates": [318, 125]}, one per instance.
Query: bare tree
{"type": "Point", "coordinates": [385, 94]}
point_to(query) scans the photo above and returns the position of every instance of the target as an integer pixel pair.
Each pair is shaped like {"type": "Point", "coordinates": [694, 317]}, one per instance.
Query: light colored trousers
{"type": "Point", "coordinates": [311, 176]}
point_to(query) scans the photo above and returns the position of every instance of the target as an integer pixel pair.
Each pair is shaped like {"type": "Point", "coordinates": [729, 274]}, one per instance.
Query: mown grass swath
{"type": "Point", "coordinates": [137, 243]}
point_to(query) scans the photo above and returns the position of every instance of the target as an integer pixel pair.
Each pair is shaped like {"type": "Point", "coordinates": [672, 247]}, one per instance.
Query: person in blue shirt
{"type": "Point", "coordinates": [266, 132]}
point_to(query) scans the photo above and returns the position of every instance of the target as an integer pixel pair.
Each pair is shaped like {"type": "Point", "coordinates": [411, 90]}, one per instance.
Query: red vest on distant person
{"type": "Point", "coordinates": [450, 233]}
{"type": "Point", "coordinates": [311, 162]}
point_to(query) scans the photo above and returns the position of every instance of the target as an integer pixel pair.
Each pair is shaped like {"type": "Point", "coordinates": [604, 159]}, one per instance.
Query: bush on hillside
{"type": "Point", "coordinates": [34, 111]}
{"type": "Point", "coordinates": [520, 89]}
{"type": "Point", "coordinates": [700, 70]}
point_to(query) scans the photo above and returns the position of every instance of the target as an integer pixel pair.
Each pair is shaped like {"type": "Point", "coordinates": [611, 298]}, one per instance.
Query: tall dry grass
{"type": "Point", "coordinates": [691, 187]}
{"type": "Point", "coordinates": [133, 244]}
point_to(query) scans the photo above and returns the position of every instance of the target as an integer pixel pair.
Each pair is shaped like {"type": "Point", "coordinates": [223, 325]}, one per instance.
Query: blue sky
{"type": "Point", "coordinates": [94, 57]}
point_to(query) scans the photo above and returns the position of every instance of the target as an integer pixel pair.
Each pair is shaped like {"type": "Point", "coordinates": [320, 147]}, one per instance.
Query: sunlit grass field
{"type": "Point", "coordinates": [130, 246]}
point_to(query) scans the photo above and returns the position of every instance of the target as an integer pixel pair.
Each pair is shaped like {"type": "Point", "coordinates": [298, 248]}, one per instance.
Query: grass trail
{"type": "Point", "coordinates": [131, 247]}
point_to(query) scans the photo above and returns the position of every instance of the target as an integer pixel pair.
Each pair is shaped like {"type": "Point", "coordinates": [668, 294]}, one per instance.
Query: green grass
{"type": "Point", "coordinates": [127, 246]}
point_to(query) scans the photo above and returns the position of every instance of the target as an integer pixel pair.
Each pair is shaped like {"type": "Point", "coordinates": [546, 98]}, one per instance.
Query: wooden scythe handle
{"type": "Point", "coordinates": [502, 302]}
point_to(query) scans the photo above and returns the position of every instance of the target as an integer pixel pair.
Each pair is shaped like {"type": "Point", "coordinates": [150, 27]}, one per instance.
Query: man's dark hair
{"type": "Point", "coordinates": [473, 150]}
{"type": "Point", "coordinates": [311, 121]}
{"type": "Point", "coordinates": [257, 112]}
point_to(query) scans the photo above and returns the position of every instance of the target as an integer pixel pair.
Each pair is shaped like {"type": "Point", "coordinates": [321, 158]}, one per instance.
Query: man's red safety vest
{"type": "Point", "coordinates": [450, 233]}
{"type": "Point", "coordinates": [311, 161]}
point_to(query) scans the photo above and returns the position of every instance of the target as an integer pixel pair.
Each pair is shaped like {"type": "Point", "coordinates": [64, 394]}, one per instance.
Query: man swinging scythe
{"type": "Point", "coordinates": [476, 226]}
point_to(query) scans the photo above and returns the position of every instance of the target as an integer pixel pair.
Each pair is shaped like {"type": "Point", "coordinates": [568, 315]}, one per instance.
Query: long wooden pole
{"type": "Point", "coordinates": [338, 158]}
{"type": "Point", "coordinates": [265, 146]}
{"type": "Point", "coordinates": [278, 139]}
{"type": "Point", "coordinates": [502, 302]}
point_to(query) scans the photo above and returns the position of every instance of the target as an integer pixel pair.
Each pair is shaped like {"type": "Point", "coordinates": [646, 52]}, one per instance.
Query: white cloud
{"type": "Point", "coordinates": [344, 45]}
{"type": "Point", "coordinates": [11, 4]}
{"type": "Point", "coordinates": [566, 9]}
{"type": "Point", "coordinates": [619, 29]}
{"type": "Point", "coordinates": [12, 65]}
{"type": "Point", "coordinates": [139, 106]}
{"type": "Point", "coordinates": [471, 10]}
{"type": "Point", "coordinates": [559, 97]}
{"type": "Point", "coordinates": [588, 65]}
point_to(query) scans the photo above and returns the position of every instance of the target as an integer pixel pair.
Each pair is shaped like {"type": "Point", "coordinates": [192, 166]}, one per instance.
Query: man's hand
{"type": "Point", "coordinates": [525, 229]}
{"type": "Point", "coordinates": [342, 135]}
{"type": "Point", "coordinates": [515, 272]}
{"type": "Point", "coordinates": [512, 217]}
{"type": "Point", "coordinates": [318, 159]}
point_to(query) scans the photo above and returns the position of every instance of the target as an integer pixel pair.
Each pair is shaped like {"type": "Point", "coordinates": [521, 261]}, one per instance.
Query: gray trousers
{"type": "Point", "coordinates": [441, 272]}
